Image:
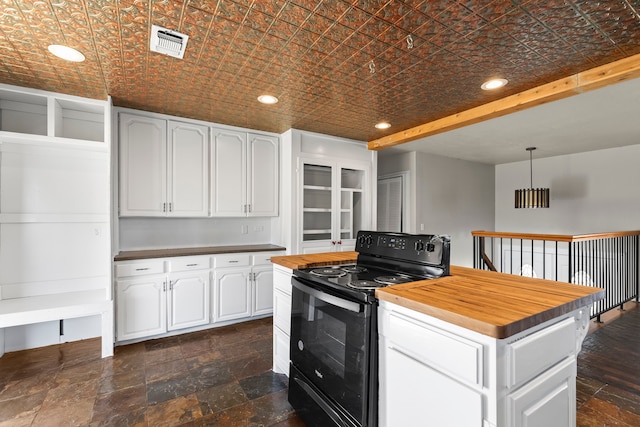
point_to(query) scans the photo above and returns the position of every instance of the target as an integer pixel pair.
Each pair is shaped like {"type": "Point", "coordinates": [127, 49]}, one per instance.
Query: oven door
{"type": "Point", "coordinates": [333, 348]}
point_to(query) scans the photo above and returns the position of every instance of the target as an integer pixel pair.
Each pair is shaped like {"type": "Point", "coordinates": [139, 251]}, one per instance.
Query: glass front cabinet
{"type": "Point", "coordinates": [334, 196]}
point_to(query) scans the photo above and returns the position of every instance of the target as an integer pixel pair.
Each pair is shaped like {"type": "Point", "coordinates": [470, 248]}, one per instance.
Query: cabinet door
{"type": "Point", "coordinates": [317, 200]}
{"type": "Point", "coordinates": [188, 170]}
{"type": "Point", "coordinates": [141, 307]}
{"type": "Point", "coordinates": [410, 391]}
{"type": "Point", "coordinates": [143, 166]}
{"type": "Point", "coordinates": [262, 290]}
{"type": "Point", "coordinates": [188, 299]}
{"type": "Point", "coordinates": [232, 297]}
{"type": "Point", "coordinates": [262, 178]}
{"type": "Point", "coordinates": [548, 400]}
{"type": "Point", "coordinates": [228, 174]}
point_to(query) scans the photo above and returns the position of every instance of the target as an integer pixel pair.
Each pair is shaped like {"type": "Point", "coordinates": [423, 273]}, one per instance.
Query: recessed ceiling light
{"type": "Point", "coordinates": [267, 99]}
{"type": "Point", "coordinates": [66, 52]}
{"type": "Point", "coordinates": [494, 84]}
{"type": "Point", "coordinates": [383, 125]}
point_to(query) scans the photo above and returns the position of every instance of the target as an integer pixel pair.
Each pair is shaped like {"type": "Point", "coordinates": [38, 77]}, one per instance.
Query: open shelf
{"type": "Point", "coordinates": [33, 112]}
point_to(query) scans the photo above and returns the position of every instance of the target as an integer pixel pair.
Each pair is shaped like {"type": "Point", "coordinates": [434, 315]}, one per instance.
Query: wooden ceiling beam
{"type": "Point", "coordinates": [614, 72]}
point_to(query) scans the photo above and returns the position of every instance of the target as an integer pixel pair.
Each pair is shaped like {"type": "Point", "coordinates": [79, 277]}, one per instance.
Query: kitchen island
{"type": "Point", "coordinates": [475, 348]}
{"type": "Point", "coordinates": [480, 348]}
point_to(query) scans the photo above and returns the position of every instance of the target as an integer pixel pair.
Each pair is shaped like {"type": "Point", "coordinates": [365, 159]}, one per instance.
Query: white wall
{"type": "Point", "coordinates": [591, 192]}
{"type": "Point", "coordinates": [451, 196]}
{"type": "Point", "coordinates": [162, 233]}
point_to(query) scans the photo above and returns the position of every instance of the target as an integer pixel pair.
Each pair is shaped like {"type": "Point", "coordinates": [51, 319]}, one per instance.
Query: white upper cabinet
{"type": "Point", "coordinates": [244, 175]}
{"type": "Point", "coordinates": [188, 169]}
{"type": "Point", "coordinates": [228, 173]}
{"type": "Point", "coordinates": [262, 178]}
{"type": "Point", "coordinates": [163, 167]}
{"type": "Point", "coordinates": [143, 173]}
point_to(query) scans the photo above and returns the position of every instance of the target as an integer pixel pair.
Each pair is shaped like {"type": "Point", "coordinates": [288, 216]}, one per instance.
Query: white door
{"type": "Point", "coordinates": [141, 307]}
{"type": "Point", "coordinates": [262, 290]}
{"type": "Point", "coordinates": [228, 176]}
{"type": "Point", "coordinates": [143, 166]}
{"type": "Point", "coordinates": [188, 299]}
{"type": "Point", "coordinates": [262, 178]}
{"type": "Point", "coordinates": [232, 297]}
{"type": "Point", "coordinates": [188, 175]}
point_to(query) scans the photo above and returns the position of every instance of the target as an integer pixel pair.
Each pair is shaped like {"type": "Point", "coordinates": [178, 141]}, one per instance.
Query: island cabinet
{"type": "Point", "coordinates": [448, 361]}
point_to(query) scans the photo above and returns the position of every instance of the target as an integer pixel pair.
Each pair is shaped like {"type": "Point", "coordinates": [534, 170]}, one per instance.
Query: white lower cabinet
{"type": "Point", "coordinates": [188, 299]}
{"type": "Point", "coordinates": [141, 307]}
{"type": "Point", "coordinates": [438, 373]}
{"type": "Point", "coordinates": [160, 295]}
{"type": "Point", "coordinates": [242, 286]}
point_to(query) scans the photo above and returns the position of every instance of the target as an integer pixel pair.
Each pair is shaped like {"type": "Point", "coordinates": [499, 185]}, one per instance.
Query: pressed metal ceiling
{"type": "Point", "coordinates": [317, 57]}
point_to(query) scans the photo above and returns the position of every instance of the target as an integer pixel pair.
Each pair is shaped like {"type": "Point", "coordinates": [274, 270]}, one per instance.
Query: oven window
{"type": "Point", "coordinates": [329, 341]}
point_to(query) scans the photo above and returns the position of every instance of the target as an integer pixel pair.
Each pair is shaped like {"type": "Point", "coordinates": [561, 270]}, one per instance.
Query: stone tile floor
{"type": "Point", "coordinates": [217, 377]}
{"type": "Point", "coordinates": [222, 377]}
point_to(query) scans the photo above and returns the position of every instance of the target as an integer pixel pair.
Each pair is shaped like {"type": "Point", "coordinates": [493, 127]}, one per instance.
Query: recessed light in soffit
{"type": "Point", "coordinates": [383, 125]}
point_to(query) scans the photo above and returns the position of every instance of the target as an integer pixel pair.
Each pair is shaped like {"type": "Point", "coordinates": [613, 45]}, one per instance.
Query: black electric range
{"type": "Point", "coordinates": [334, 336]}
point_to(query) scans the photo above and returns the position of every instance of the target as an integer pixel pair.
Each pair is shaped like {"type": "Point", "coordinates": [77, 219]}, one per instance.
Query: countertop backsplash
{"type": "Point", "coordinates": [160, 233]}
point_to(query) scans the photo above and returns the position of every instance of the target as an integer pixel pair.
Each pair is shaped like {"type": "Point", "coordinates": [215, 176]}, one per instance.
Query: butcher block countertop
{"type": "Point", "coordinates": [494, 304]}
{"type": "Point", "coordinates": [315, 260]}
{"type": "Point", "coordinates": [208, 250]}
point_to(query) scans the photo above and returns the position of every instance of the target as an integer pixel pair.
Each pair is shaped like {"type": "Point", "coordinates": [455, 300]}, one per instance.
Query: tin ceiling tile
{"type": "Point", "coordinates": [314, 54]}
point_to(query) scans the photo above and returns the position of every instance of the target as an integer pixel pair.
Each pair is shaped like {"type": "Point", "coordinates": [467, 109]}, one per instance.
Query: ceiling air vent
{"type": "Point", "coordinates": [168, 42]}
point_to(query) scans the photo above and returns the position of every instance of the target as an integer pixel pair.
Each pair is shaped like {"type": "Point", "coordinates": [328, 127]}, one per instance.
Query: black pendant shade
{"type": "Point", "coordinates": [532, 197]}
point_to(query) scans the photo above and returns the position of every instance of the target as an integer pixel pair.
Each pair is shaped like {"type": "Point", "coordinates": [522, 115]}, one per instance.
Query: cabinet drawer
{"type": "Point", "coordinates": [190, 263]}
{"type": "Point", "coordinates": [232, 260]}
{"type": "Point", "coordinates": [537, 352]}
{"type": "Point", "coordinates": [139, 268]}
{"type": "Point", "coordinates": [264, 258]}
{"type": "Point", "coordinates": [445, 352]}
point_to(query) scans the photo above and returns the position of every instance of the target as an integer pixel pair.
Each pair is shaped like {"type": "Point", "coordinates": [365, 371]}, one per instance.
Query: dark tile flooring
{"type": "Point", "coordinates": [217, 377]}
{"type": "Point", "coordinates": [222, 377]}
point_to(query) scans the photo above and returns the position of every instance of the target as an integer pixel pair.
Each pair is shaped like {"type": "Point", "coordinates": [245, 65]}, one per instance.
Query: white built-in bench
{"type": "Point", "coordinates": [67, 305]}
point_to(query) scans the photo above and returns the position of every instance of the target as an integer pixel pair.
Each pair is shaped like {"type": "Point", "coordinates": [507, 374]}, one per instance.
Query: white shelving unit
{"type": "Point", "coordinates": [55, 218]}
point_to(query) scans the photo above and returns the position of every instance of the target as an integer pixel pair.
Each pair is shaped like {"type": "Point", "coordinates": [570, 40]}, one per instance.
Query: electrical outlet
{"type": "Point", "coordinates": [258, 228]}
{"type": "Point", "coordinates": [421, 227]}
{"type": "Point", "coordinates": [244, 229]}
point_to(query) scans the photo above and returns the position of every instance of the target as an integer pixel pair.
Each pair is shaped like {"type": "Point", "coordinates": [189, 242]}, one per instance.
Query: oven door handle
{"type": "Point", "coordinates": [328, 298]}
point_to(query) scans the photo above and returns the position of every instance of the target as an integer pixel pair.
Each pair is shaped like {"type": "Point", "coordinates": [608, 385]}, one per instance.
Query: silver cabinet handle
{"type": "Point", "coordinates": [142, 269]}
{"type": "Point", "coordinates": [191, 265]}
{"type": "Point", "coordinates": [233, 261]}
{"type": "Point", "coordinates": [170, 207]}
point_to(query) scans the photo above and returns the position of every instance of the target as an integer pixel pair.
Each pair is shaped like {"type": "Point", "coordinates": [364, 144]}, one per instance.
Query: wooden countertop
{"type": "Point", "coordinates": [315, 260]}
{"type": "Point", "coordinates": [495, 304]}
{"type": "Point", "coordinates": [208, 250]}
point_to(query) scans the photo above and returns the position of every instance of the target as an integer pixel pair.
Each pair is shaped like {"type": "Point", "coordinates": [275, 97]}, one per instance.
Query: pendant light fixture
{"type": "Point", "coordinates": [532, 197]}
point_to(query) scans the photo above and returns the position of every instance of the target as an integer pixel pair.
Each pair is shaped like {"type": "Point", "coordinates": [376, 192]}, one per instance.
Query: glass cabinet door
{"type": "Point", "coordinates": [333, 206]}
{"type": "Point", "coordinates": [317, 200]}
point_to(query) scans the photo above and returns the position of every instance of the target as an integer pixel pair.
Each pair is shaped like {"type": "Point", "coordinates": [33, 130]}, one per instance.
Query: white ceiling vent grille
{"type": "Point", "coordinates": [168, 42]}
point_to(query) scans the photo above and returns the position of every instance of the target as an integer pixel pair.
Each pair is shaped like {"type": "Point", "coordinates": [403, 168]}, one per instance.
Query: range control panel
{"type": "Point", "coordinates": [421, 248]}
